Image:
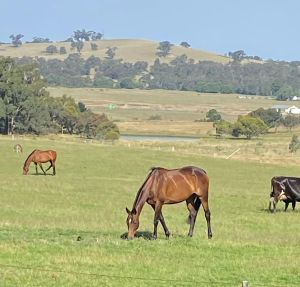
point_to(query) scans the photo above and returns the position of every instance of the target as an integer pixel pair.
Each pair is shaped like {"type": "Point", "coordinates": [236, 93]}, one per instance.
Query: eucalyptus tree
{"type": "Point", "coordinates": [185, 44]}
{"type": "Point", "coordinates": [18, 85]}
{"type": "Point", "coordinates": [16, 39]}
{"type": "Point", "coordinates": [78, 45]}
{"type": "Point", "coordinates": [164, 48]}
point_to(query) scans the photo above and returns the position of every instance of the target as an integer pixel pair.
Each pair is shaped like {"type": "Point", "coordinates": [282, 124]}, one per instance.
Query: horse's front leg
{"type": "Point", "coordinates": [163, 223]}
{"type": "Point", "coordinates": [52, 164]}
{"type": "Point", "coordinates": [36, 171]}
{"type": "Point", "coordinates": [157, 213]}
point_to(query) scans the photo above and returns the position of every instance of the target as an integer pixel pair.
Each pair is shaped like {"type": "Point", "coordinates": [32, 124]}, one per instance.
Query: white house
{"type": "Point", "coordinates": [284, 109]}
{"type": "Point", "coordinates": [293, 110]}
{"type": "Point", "coordinates": [280, 108]}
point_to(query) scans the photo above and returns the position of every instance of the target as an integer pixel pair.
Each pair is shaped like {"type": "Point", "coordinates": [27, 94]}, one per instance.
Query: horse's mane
{"type": "Point", "coordinates": [152, 169]}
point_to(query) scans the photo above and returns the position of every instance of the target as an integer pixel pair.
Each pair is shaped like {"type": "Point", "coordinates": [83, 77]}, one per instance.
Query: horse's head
{"type": "Point", "coordinates": [277, 194]}
{"type": "Point", "coordinates": [132, 222]}
{"type": "Point", "coordinates": [25, 170]}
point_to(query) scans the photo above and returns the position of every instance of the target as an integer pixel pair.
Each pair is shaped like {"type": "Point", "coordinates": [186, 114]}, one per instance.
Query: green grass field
{"type": "Point", "coordinates": [41, 218]}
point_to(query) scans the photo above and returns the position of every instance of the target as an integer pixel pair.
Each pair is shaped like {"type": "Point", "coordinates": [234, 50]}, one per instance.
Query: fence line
{"type": "Point", "coordinates": [209, 283]}
{"type": "Point", "coordinates": [41, 269]}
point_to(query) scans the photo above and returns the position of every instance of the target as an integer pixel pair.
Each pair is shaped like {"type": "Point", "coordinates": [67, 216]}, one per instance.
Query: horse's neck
{"type": "Point", "coordinates": [140, 201]}
{"type": "Point", "coordinates": [28, 160]}
{"type": "Point", "coordinates": [143, 193]}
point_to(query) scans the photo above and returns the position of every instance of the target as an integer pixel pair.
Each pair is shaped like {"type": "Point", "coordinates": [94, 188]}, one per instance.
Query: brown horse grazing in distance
{"type": "Point", "coordinates": [18, 148]}
{"type": "Point", "coordinates": [163, 186]}
{"type": "Point", "coordinates": [38, 157]}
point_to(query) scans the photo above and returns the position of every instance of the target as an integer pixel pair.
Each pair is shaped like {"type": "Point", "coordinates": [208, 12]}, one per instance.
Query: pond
{"type": "Point", "coordinates": [158, 138]}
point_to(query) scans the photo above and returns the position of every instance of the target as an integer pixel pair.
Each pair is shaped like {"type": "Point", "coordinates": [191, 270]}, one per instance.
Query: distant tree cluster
{"type": "Point", "coordinates": [247, 126]}
{"type": "Point", "coordinates": [40, 40]}
{"type": "Point", "coordinates": [256, 123]}
{"type": "Point", "coordinates": [75, 71]}
{"type": "Point", "coordinates": [52, 49]}
{"type": "Point", "coordinates": [240, 55]}
{"type": "Point", "coordinates": [80, 36]}
{"type": "Point", "coordinates": [277, 79]}
{"type": "Point", "coordinates": [26, 107]}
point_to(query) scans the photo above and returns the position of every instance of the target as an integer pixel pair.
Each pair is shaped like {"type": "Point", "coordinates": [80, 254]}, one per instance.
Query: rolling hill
{"type": "Point", "coordinates": [130, 50]}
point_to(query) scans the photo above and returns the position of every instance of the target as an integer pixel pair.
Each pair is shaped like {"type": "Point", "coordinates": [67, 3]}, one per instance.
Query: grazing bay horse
{"type": "Point", "coordinates": [163, 186]}
{"type": "Point", "coordinates": [38, 157]}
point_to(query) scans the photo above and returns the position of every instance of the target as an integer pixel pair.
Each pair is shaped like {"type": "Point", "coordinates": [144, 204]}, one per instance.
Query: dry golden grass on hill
{"type": "Point", "coordinates": [130, 50]}
{"type": "Point", "coordinates": [175, 112]}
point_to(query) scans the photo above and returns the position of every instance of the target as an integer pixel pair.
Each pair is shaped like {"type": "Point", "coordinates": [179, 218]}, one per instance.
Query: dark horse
{"type": "Point", "coordinates": [38, 157]}
{"type": "Point", "coordinates": [163, 186]}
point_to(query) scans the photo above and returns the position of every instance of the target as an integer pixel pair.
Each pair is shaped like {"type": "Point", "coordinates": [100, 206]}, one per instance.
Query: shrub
{"type": "Point", "coordinates": [294, 144]}
{"type": "Point", "coordinates": [155, 118]}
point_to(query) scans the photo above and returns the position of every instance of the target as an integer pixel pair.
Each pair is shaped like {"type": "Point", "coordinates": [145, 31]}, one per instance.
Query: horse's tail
{"type": "Point", "coordinates": [272, 186]}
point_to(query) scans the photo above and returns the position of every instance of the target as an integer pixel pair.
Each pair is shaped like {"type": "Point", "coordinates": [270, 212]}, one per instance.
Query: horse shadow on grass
{"type": "Point", "coordinates": [147, 235]}
{"type": "Point", "coordinates": [279, 210]}
{"type": "Point", "coordinates": [41, 174]}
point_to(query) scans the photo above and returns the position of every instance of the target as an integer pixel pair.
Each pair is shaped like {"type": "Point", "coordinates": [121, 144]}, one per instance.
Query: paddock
{"type": "Point", "coordinates": [41, 219]}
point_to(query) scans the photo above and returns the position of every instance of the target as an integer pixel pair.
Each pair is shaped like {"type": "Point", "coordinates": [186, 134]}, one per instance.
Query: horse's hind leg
{"type": "Point", "coordinates": [193, 204]}
{"type": "Point", "coordinates": [207, 217]}
{"type": "Point", "coordinates": [52, 164]}
{"type": "Point", "coordinates": [40, 165]}
{"type": "Point", "coordinates": [163, 223]}
{"type": "Point", "coordinates": [49, 166]}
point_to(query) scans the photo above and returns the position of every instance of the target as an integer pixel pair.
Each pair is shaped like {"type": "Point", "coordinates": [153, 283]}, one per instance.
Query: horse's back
{"type": "Point", "coordinates": [195, 175]}
{"type": "Point", "coordinates": [177, 185]}
{"type": "Point", "coordinates": [45, 155]}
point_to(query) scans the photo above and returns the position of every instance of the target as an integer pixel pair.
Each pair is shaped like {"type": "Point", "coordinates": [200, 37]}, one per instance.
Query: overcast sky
{"type": "Point", "coordinates": [266, 28]}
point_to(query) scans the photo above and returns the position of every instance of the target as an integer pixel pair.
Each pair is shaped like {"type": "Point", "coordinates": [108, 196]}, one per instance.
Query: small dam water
{"type": "Point", "coordinates": [158, 138]}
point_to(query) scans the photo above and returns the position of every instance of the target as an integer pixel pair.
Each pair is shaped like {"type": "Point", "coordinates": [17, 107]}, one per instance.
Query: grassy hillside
{"type": "Point", "coordinates": [66, 230]}
{"type": "Point", "coordinates": [129, 50]}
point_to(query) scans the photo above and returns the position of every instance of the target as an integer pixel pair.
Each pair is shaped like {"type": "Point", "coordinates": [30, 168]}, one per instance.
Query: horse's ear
{"type": "Point", "coordinates": [127, 210]}
{"type": "Point", "coordinates": [133, 211]}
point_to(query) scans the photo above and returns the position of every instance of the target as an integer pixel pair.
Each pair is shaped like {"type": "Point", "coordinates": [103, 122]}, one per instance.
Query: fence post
{"type": "Point", "coordinates": [245, 284]}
